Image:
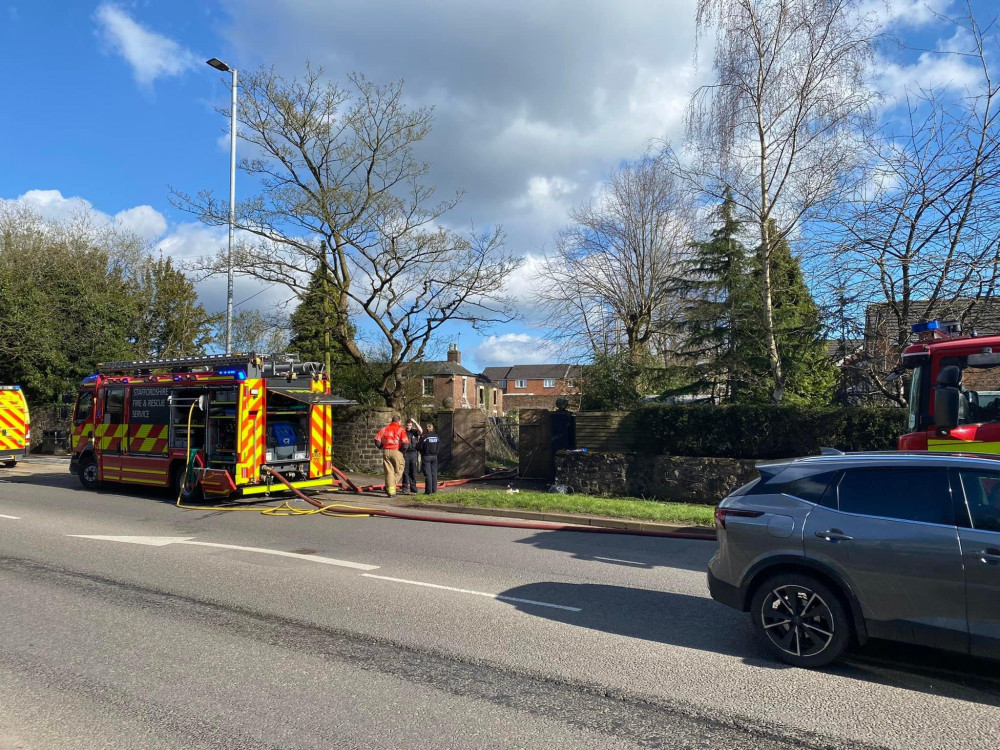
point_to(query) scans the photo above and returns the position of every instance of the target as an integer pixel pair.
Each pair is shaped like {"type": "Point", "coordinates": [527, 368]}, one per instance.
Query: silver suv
{"type": "Point", "coordinates": [834, 549]}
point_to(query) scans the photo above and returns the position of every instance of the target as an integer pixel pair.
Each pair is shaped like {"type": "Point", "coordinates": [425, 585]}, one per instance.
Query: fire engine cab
{"type": "Point", "coordinates": [219, 425]}
{"type": "Point", "coordinates": [954, 390]}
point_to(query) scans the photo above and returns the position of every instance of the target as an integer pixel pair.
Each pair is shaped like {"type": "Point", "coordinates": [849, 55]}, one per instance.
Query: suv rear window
{"type": "Point", "coordinates": [910, 494]}
{"type": "Point", "coordinates": [802, 483]}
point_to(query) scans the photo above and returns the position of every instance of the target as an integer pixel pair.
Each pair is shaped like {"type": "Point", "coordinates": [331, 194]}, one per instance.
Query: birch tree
{"type": "Point", "coordinates": [779, 124]}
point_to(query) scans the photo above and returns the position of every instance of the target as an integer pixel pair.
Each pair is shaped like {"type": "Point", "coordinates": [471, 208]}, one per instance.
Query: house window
{"type": "Point", "coordinates": [502, 383]}
{"type": "Point", "coordinates": [465, 391]}
{"type": "Point", "coordinates": [482, 396]}
{"type": "Point", "coordinates": [428, 386]}
{"type": "Point", "coordinates": [549, 383]}
{"type": "Point", "coordinates": [520, 383]}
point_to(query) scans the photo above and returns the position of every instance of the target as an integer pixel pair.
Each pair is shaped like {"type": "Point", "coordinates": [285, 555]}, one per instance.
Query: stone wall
{"type": "Point", "coordinates": [354, 430]}
{"type": "Point", "coordinates": [679, 478]}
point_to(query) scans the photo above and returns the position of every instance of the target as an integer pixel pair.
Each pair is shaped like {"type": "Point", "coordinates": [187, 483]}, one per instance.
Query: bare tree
{"type": "Point", "coordinates": [257, 331]}
{"type": "Point", "coordinates": [342, 191]}
{"type": "Point", "coordinates": [922, 233]}
{"type": "Point", "coordinates": [779, 125]}
{"type": "Point", "coordinates": [607, 285]}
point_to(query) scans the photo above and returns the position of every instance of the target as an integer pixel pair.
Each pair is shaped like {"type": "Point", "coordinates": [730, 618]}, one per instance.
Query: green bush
{"type": "Point", "coordinates": [765, 431]}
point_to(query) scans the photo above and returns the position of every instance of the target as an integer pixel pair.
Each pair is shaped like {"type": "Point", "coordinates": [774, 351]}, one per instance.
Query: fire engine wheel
{"type": "Point", "coordinates": [186, 490]}
{"type": "Point", "coordinates": [10, 464]}
{"type": "Point", "coordinates": [88, 473]}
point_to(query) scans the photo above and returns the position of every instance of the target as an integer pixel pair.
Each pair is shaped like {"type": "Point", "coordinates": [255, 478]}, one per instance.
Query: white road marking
{"type": "Point", "coordinates": [162, 541]}
{"type": "Point", "coordinates": [310, 558]}
{"type": "Point", "coordinates": [12, 518]}
{"type": "Point", "coordinates": [476, 593]}
{"type": "Point", "coordinates": [152, 541]}
{"type": "Point", "coordinates": [615, 559]}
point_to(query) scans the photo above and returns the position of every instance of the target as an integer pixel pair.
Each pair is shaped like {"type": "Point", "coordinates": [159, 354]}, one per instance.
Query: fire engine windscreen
{"type": "Point", "coordinates": [979, 389]}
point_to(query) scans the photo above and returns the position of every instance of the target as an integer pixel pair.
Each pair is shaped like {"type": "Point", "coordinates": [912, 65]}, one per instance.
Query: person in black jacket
{"type": "Point", "coordinates": [428, 449]}
{"type": "Point", "coordinates": [411, 457]}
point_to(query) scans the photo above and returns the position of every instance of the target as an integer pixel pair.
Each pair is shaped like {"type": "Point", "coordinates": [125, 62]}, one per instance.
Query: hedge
{"type": "Point", "coordinates": [764, 431]}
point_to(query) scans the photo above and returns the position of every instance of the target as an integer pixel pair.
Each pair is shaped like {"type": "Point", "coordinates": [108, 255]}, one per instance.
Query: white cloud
{"type": "Point", "coordinates": [945, 69]}
{"type": "Point", "coordinates": [145, 221]}
{"type": "Point", "coordinates": [515, 349]}
{"type": "Point", "coordinates": [150, 55]}
{"type": "Point", "coordinates": [193, 240]}
{"type": "Point", "coordinates": [908, 13]}
{"type": "Point", "coordinates": [52, 206]}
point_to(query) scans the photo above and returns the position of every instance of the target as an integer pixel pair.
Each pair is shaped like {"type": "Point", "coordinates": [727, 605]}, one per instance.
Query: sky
{"type": "Point", "coordinates": [109, 105]}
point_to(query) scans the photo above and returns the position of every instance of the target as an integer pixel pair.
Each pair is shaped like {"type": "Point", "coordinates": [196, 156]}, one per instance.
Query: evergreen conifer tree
{"type": "Point", "coordinates": [719, 321]}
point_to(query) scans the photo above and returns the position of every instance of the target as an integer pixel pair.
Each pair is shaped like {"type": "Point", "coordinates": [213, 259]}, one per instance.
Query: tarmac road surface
{"type": "Point", "coordinates": [130, 623]}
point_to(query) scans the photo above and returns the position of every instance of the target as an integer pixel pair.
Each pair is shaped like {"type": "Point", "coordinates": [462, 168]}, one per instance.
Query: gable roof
{"type": "Point", "coordinates": [446, 367]}
{"type": "Point", "coordinates": [533, 372]}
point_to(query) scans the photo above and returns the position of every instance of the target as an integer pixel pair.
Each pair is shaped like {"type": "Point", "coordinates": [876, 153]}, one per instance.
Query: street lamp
{"type": "Point", "coordinates": [219, 65]}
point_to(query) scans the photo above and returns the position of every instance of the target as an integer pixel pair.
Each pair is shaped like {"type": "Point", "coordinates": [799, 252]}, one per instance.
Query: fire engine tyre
{"type": "Point", "coordinates": [88, 473]}
{"type": "Point", "coordinates": [10, 464]}
{"type": "Point", "coordinates": [186, 492]}
{"type": "Point", "coordinates": [801, 620]}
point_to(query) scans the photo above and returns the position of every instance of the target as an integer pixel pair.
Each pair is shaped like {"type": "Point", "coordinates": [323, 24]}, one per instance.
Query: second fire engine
{"type": "Point", "coordinates": [221, 425]}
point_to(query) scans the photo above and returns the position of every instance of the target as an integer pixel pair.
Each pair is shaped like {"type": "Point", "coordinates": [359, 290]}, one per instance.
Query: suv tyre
{"type": "Point", "coordinates": [801, 619]}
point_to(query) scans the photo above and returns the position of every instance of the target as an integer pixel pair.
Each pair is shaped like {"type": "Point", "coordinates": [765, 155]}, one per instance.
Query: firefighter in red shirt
{"type": "Point", "coordinates": [391, 439]}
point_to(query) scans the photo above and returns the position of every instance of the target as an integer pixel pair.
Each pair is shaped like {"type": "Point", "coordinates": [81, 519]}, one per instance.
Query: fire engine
{"type": "Point", "coordinates": [221, 425]}
{"type": "Point", "coordinates": [15, 425]}
{"type": "Point", "coordinates": [954, 390]}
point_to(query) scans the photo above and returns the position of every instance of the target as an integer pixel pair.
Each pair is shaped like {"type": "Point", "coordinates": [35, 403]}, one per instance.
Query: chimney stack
{"type": "Point", "coordinates": [454, 355]}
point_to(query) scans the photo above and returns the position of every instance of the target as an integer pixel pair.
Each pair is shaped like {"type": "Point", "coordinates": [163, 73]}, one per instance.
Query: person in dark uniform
{"type": "Point", "coordinates": [428, 450]}
{"type": "Point", "coordinates": [412, 458]}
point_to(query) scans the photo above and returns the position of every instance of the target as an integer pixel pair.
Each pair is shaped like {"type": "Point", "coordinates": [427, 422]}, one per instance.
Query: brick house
{"type": "Point", "coordinates": [537, 386]}
{"type": "Point", "coordinates": [449, 379]}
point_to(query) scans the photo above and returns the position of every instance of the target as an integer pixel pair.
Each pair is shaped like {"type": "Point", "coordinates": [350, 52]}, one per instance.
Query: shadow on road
{"type": "Point", "coordinates": [700, 623]}
{"type": "Point", "coordinates": [627, 551]}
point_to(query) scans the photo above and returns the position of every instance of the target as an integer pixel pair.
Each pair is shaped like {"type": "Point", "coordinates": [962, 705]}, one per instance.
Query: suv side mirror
{"type": "Point", "coordinates": [946, 396]}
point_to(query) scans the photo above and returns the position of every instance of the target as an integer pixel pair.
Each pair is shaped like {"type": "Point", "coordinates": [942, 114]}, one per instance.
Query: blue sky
{"type": "Point", "coordinates": [110, 104]}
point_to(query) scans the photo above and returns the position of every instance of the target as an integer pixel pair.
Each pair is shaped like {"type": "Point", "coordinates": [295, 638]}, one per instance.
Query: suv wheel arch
{"type": "Point", "coordinates": [789, 563]}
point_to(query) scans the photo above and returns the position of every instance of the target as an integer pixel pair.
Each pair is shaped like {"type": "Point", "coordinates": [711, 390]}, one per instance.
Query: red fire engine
{"type": "Point", "coordinates": [218, 424]}
{"type": "Point", "coordinates": [954, 390]}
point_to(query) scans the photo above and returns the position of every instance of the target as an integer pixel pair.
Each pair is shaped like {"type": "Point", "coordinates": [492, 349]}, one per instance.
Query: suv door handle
{"type": "Point", "coordinates": [990, 556]}
{"type": "Point", "coordinates": [834, 535]}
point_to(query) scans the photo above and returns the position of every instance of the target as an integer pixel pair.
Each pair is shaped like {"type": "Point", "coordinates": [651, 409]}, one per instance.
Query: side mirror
{"type": "Point", "coordinates": [69, 398]}
{"type": "Point", "coordinates": [64, 412]}
{"type": "Point", "coordinates": [945, 409]}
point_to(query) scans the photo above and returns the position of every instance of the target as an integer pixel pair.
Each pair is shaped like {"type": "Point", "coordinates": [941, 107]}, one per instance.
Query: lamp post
{"type": "Point", "coordinates": [219, 65]}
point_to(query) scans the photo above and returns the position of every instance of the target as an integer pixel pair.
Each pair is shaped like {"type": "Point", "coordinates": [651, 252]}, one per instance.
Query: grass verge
{"type": "Point", "coordinates": [613, 507]}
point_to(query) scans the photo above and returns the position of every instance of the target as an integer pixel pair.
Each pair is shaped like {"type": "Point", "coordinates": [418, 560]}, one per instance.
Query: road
{"type": "Point", "coordinates": [211, 629]}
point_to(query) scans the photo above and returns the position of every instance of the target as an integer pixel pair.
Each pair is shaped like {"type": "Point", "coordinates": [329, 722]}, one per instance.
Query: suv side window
{"type": "Point", "coordinates": [906, 494]}
{"type": "Point", "coordinates": [802, 483]}
{"type": "Point", "coordinates": [982, 496]}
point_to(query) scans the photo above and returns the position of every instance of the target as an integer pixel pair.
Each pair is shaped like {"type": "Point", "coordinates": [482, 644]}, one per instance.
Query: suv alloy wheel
{"type": "Point", "coordinates": [800, 619]}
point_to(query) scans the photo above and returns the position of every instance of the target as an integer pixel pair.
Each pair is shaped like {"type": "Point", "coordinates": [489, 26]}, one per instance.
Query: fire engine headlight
{"type": "Point", "coordinates": [269, 456]}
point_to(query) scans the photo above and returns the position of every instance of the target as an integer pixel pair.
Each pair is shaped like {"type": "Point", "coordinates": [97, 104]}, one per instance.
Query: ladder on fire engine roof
{"type": "Point", "coordinates": [255, 365]}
